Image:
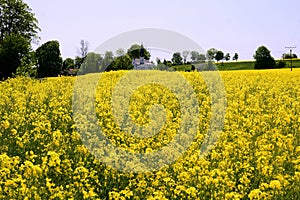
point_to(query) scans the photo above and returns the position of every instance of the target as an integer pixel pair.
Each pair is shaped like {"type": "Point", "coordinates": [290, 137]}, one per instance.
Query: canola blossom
{"type": "Point", "coordinates": [255, 156]}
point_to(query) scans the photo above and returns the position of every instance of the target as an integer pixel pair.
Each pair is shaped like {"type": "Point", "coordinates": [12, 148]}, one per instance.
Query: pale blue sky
{"type": "Point", "coordinates": [229, 25]}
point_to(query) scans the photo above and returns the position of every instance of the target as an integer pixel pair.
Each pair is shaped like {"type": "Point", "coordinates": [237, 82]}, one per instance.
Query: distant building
{"type": "Point", "coordinates": [142, 63]}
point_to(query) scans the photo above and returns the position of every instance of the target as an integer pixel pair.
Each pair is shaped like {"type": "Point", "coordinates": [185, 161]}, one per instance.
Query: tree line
{"type": "Point", "coordinates": [19, 29]}
{"type": "Point", "coordinates": [212, 54]}
{"type": "Point", "coordinates": [50, 63]}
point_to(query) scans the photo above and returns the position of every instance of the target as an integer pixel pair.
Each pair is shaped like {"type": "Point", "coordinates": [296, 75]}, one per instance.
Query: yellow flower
{"type": "Point", "coordinates": [275, 184]}
{"type": "Point", "coordinates": [14, 131]}
{"type": "Point", "coordinates": [192, 191]}
{"type": "Point", "coordinates": [54, 159]}
{"type": "Point", "coordinates": [10, 183]}
{"type": "Point", "coordinates": [49, 184]}
{"type": "Point", "coordinates": [254, 194]}
{"type": "Point", "coordinates": [258, 142]}
{"type": "Point", "coordinates": [5, 124]}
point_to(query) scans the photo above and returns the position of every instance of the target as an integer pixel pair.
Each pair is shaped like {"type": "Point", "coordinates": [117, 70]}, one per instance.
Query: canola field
{"type": "Point", "coordinates": [44, 155]}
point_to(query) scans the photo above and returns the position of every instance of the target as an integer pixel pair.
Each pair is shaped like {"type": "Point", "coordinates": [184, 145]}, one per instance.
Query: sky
{"type": "Point", "coordinates": [230, 26]}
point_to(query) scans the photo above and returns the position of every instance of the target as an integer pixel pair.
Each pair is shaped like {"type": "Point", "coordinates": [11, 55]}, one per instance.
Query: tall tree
{"type": "Point", "coordinates": [194, 55]}
{"type": "Point", "coordinates": [219, 56]}
{"type": "Point", "coordinates": [263, 58]}
{"type": "Point", "coordinates": [177, 59]}
{"type": "Point", "coordinates": [235, 57]}
{"type": "Point", "coordinates": [107, 60]}
{"type": "Point", "coordinates": [83, 49]}
{"type": "Point", "coordinates": [82, 52]}
{"type": "Point", "coordinates": [16, 17]}
{"type": "Point", "coordinates": [185, 54]}
{"type": "Point", "coordinates": [49, 61]}
{"type": "Point", "coordinates": [211, 53]}
{"type": "Point", "coordinates": [12, 49]}
{"type": "Point", "coordinates": [18, 28]}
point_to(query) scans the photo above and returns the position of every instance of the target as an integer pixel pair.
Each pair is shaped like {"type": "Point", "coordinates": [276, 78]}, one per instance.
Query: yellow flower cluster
{"type": "Point", "coordinates": [257, 155]}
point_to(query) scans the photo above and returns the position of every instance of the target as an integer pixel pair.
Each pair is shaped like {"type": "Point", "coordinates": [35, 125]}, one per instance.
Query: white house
{"type": "Point", "coordinates": [142, 63]}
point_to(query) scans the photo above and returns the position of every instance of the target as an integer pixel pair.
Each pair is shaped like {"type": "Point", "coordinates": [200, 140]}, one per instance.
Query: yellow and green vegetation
{"type": "Point", "coordinates": [257, 155]}
{"type": "Point", "coordinates": [237, 65]}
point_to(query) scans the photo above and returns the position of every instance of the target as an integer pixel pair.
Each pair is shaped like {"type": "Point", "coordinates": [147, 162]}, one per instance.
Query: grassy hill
{"type": "Point", "coordinates": [239, 65]}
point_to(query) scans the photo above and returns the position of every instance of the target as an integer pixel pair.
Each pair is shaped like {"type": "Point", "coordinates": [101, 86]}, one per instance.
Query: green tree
{"type": "Point", "coordinates": [201, 58]}
{"type": "Point", "coordinates": [158, 61]}
{"type": "Point", "coordinates": [211, 53]}
{"type": "Point", "coordinates": [219, 56]}
{"type": "Point", "coordinates": [92, 63]}
{"type": "Point", "coordinates": [49, 61]}
{"type": "Point", "coordinates": [12, 49]}
{"type": "Point", "coordinates": [18, 28]}
{"type": "Point", "coordinates": [235, 57]}
{"type": "Point", "coordinates": [68, 63]}
{"type": "Point", "coordinates": [27, 66]}
{"type": "Point", "coordinates": [263, 58]}
{"type": "Point", "coordinates": [135, 51]}
{"type": "Point", "coordinates": [177, 59]}
{"type": "Point", "coordinates": [78, 62]}
{"type": "Point", "coordinates": [16, 17]}
{"type": "Point", "coordinates": [227, 57]}
{"type": "Point", "coordinates": [120, 52]}
{"type": "Point", "coordinates": [121, 63]}
{"type": "Point", "coordinates": [194, 56]}
{"type": "Point", "coordinates": [107, 60]}
{"type": "Point", "coordinates": [288, 56]}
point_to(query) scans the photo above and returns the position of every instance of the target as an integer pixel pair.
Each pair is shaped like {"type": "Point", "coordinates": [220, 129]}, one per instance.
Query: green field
{"type": "Point", "coordinates": [236, 65]}
{"type": "Point", "coordinates": [182, 67]}
{"type": "Point", "coordinates": [239, 65]}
